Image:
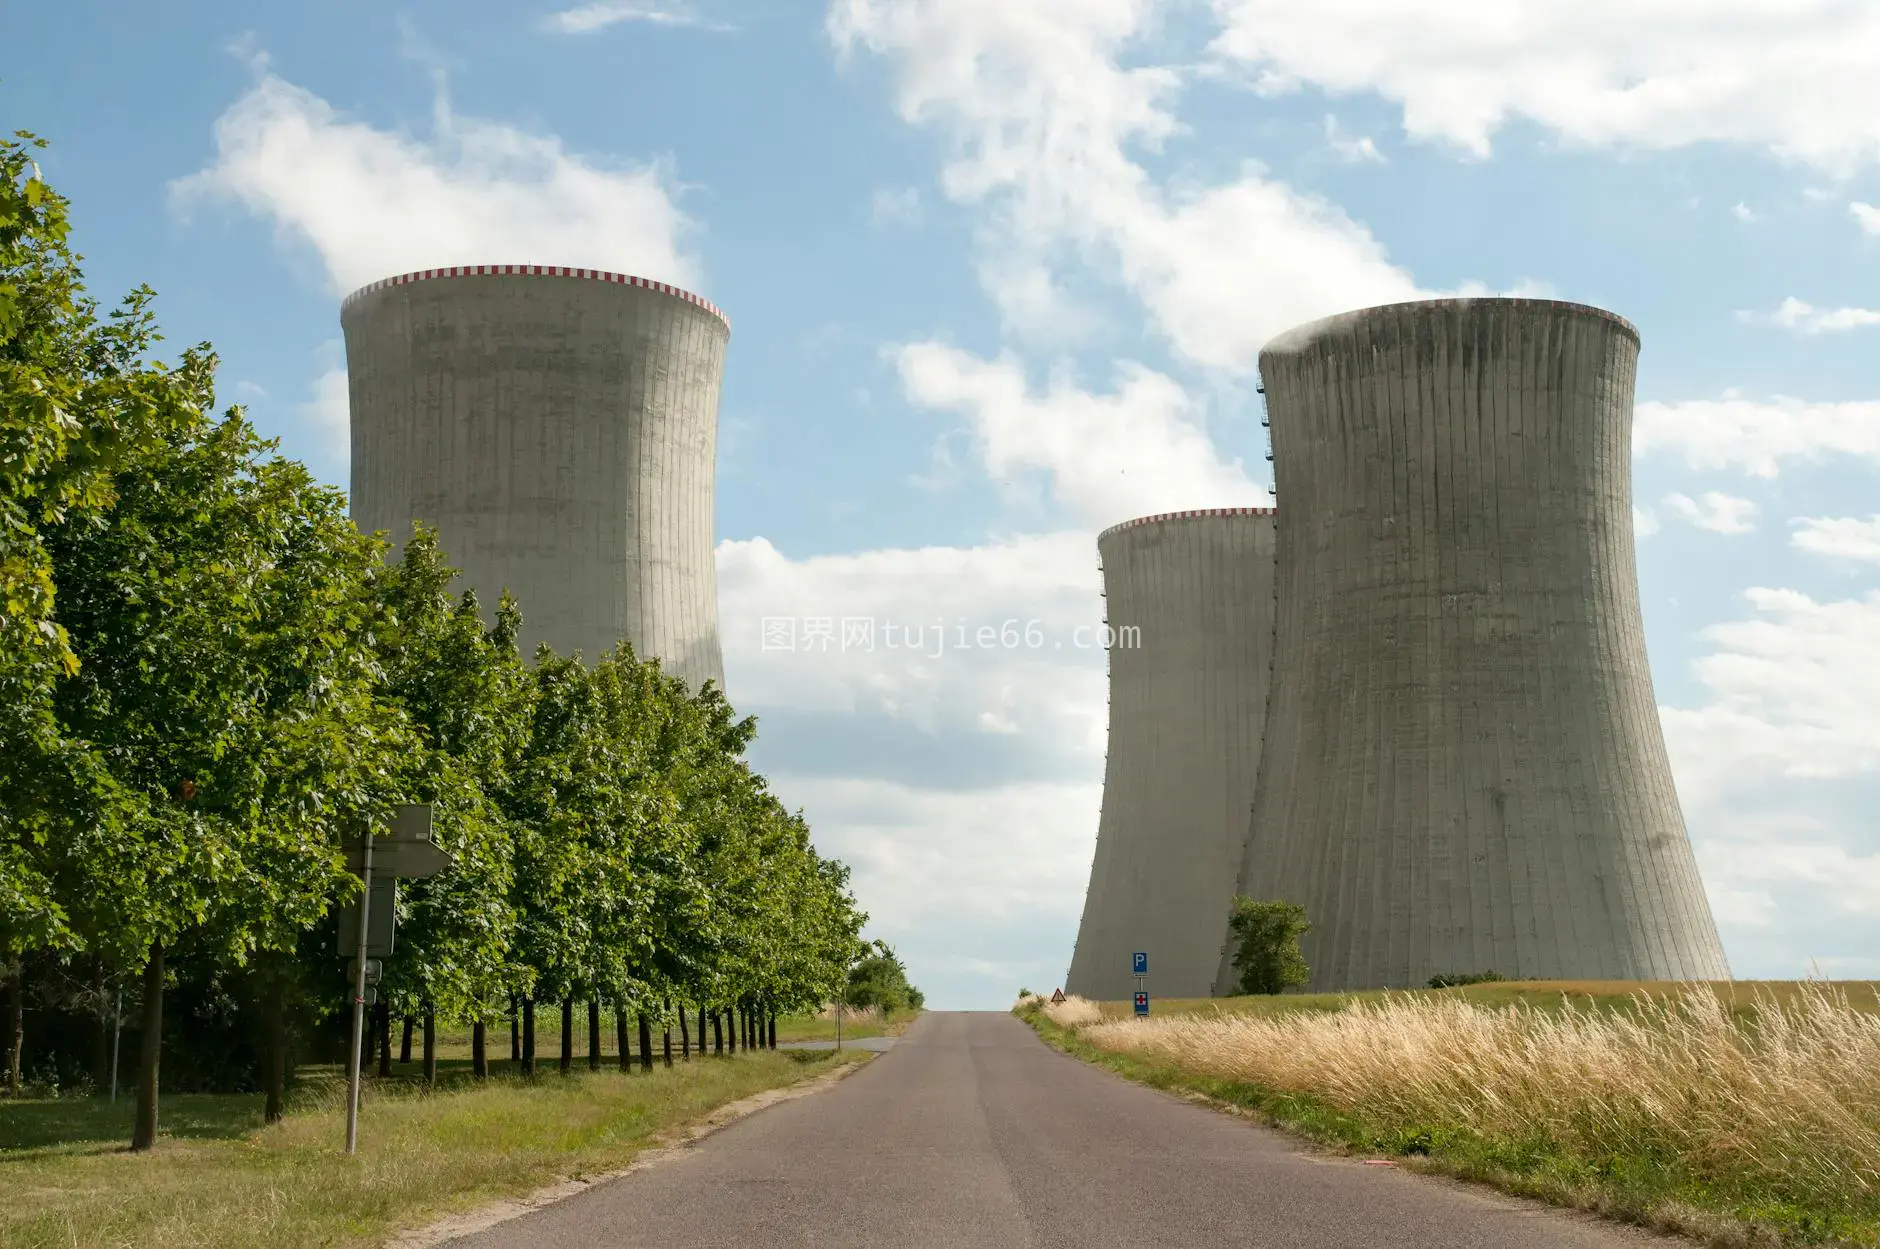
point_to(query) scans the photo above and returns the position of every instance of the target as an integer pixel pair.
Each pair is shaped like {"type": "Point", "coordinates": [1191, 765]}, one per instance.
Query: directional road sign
{"type": "Point", "coordinates": [381, 917]}
{"type": "Point", "coordinates": [1142, 1003]}
{"type": "Point", "coordinates": [1139, 963]}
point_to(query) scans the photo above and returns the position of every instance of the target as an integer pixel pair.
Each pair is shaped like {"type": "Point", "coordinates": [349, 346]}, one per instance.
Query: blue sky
{"type": "Point", "coordinates": [997, 272]}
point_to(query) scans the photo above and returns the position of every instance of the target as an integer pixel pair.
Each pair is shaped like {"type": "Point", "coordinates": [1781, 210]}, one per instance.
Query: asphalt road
{"type": "Point", "coordinates": [971, 1132]}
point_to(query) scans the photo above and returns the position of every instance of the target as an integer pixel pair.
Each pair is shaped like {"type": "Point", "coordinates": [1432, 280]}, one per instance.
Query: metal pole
{"type": "Point", "coordinates": [117, 1034]}
{"type": "Point", "coordinates": [359, 1003]}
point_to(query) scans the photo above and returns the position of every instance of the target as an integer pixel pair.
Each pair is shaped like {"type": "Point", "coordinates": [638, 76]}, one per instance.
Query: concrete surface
{"type": "Point", "coordinates": [1186, 709]}
{"type": "Point", "coordinates": [971, 1133]}
{"type": "Point", "coordinates": [1464, 767]}
{"type": "Point", "coordinates": [561, 433]}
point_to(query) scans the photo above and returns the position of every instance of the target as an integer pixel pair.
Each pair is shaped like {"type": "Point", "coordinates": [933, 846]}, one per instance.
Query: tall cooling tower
{"type": "Point", "coordinates": [1190, 607]}
{"type": "Point", "coordinates": [559, 427]}
{"type": "Point", "coordinates": [1464, 767]}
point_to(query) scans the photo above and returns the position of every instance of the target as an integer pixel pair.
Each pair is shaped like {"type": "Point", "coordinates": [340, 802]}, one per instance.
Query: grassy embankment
{"type": "Point", "coordinates": [218, 1179]}
{"type": "Point", "coordinates": [1742, 1114]}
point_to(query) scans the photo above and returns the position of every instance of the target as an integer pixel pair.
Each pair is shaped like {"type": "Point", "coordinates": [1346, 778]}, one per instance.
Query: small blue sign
{"type": "Point", "coordinates": [1142, 1003]}
{"type": "Point", "coordinates": [1139, 963]}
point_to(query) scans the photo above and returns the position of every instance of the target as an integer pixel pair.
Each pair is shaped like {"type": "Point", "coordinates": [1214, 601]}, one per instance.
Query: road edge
{"type": "Point", "coordinates": [662, 1148]}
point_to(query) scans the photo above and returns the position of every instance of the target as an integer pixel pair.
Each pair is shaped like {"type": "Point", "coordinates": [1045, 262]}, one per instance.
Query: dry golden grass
{"type": "Point", "coordinates": [1758, 1090]}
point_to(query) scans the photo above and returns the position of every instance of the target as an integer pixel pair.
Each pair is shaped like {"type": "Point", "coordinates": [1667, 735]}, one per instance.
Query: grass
{"type": "Point", "coordinates": [1742, 1114]}
{"type": "Point", "coordinates": [219, 1180]}
{"type": "Point", "coordinates": [856, 1024]}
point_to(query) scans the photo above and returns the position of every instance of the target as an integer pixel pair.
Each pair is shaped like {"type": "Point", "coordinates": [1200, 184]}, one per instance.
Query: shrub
{"type": "Point", "coordinates": [1267, 935]}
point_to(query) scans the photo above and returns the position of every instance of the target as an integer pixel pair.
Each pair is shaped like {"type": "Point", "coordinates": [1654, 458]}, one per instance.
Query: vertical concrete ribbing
{"type": "Point", "coordinates": [1464, 768]}
{"type": "Point", "coordinates": [1186, 709]}
{"type": "Point", "coordinates": [560, 432]}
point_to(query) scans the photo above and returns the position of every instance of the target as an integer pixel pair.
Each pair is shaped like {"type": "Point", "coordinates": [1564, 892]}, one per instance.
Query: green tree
{"type": "Point", "coordinates": [1266, 944]}
{"type": "Point", "coordinates": [880, 980]}
{"type": "Point", "coordinates": [77, 400]}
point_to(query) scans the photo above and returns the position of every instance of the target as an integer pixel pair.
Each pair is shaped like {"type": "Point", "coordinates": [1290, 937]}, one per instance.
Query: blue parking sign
{"type": "Point", "coordinates": [1142, 1003]}
{"type": "Point", "coordinates": [1139, 963]}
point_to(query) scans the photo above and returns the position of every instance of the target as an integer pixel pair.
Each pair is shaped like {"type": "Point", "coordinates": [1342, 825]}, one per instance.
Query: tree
{"type": "Point", "coordinates": [879, 980]}
{"type": "Point", "coordinates": [1267, 944]}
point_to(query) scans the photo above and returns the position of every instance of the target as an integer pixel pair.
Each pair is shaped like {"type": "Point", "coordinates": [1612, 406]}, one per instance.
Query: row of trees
{"type": "Point", "coordinates": [210, 680]}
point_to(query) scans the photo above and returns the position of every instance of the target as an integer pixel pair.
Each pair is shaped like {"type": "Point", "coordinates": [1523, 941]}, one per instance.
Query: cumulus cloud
{"type": "Point", "coordinates": [1139, 448]}
{"type": "Point", "coordinates": [1044, 121]}
{"type": "Point", "coordinates": [1793, 77]}
{"type": "Point", "coordinates": [1744, 213]}
{"type": "Point", "coordinates": [1839, 537]}
{"type": "Point", "coordinates": [1355, 149]}
{"type": "Point", "coordinates": [895, 206]}
{"type": "Point", "coordinates": [1757, 437]}
{"type": "Point", "coordinates": [374, 202]}
{"type": "Point", "coordinates": [1804, 318]}
{"type": "Point", "coordinates": [1719, 513]}
{"type": "Point", "coordinates": [326, 417]}
{"type": "Point", "coordinates": [1645, 522]}
{"type": "Point", "coordinates": [587, 18]}
{"type": "Point", "coordinates": [1866, 216]}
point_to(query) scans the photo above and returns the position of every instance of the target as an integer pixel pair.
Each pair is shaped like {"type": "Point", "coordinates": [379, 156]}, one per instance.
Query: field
{"type": "Point", "coordinates": [1744, 1114]}
{"type": "Point", "coordinates": [218, 1179]}
{"type": "Point", "coordinates": [856, 1024]}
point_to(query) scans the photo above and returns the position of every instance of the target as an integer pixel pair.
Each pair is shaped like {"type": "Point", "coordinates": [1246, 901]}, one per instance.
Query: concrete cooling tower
{"type": "Point", "coordinates": [1464, 769]}
{"type": "Point", "coordinates": [1190, 605]}
{"type": "Point", "coordinates": [559, 427]}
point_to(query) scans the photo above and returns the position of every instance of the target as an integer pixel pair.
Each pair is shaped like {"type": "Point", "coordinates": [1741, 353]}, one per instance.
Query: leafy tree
{"type": "Point", "coordinates": [879, 980]}
{"type": "Point", "coordinates": [77, 400]}
{"type": "Point", "coordinates": [1266, 936]}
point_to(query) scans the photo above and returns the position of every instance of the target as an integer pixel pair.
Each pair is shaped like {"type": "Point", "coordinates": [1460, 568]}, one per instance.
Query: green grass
{"type": "Point", "coordinates": [1643, 1183]}
{"type": "Point", "coordinates": [815, 1028]}
{"type": "Point", "coordinates": [219, 1180]}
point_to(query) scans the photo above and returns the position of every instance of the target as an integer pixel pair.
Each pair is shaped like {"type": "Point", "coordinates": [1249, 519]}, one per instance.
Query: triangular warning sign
{"type": "Point", "coordinates": [1057, 995]}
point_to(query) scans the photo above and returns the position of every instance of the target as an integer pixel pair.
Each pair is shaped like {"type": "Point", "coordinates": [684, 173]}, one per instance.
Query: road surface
{"type": "Point", "coordinates": [971, 1133]}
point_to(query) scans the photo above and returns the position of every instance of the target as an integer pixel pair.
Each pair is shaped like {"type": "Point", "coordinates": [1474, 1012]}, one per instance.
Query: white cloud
{"type": "Point", "coordinates": [1839, 537]}
{"type": "Point", "coordinates": [1805, 318]}
{"type": "Point", "coordinates": [1645, 522]}
{"type": "Point", "coordinates": [895, 206]}
{"type": "Point", "coordinates": [1719, 513]}
{"type": "Point", "coordinates": [1043, 119]}
{"type": "Point", "coordinates": [1866, 216]}
{"type": "Point", "coordinates": [588, 18]}
{"type": "Point", "coordinates": [1794, 691]}
{"type": "Point", "coordinates": [919, 667]}
{"type": "Point", "coordinates": [1757, 437]}
{"type": "Point", "coordinates": [327, 416]}
{"type": "Point", "coordinates": [1744, 213]}
{"type": "Point", "coordinates": [373, 202]}
{"type": "Point", "coordinates": [1138, 449]}
{"type": "Point", "coordinates": [1354, 149]}
{"type": "Point", "coordinates": [1792, 76]}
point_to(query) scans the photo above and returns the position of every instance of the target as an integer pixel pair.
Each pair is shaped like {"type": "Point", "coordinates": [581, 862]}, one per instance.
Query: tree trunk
{"type": "Point", "coordinates": [515, 1030]}
{"type": "Point", "coordinates": [404, 1047]}
{"type": "Point", "coordinates": [666, 1041]}
{"type": "Point", "coordinates": [620, 1036]}
{"type": "Point", "coordinates": [101, 1051]}
{"type": "Point", "coordinates": [567, 1034]}
{"type": "Point", "coordinates": [731, 1029]}
{"type": "Point", "coordinates": [385, 1040]}
{"type": "Point", "coordinates": [479, 1050]}
{"type": "Point", "coordinates": [150, 1050]}
{"type": "Point", "coordinates": [685, 1036]}
{"type": "Point", "coordinates": [528, 1036]}
{"type": "Point", "coordinates": [16, 1025]}
{"type": "Point", "coordinates": [274, 1062]}
{"type": "Point", "coordinates": [594, 1035]}
{"type": "Point", "coordinates": [646, 1043]}
{"type": "Point", "coordinates": [718, 1036]}
{"type": "Point", "coordinates": [701, 1031]}
{"type": "Point", "coordinates": [430, 1043]}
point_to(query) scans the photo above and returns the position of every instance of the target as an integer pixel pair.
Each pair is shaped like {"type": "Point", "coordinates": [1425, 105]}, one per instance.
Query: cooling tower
{"type": "Point", "coordinates": [559, 427]}
{"type": "Point", "coordinates": [1190, 607]}
{"type": "Point", "coordinates": [1464, 768]}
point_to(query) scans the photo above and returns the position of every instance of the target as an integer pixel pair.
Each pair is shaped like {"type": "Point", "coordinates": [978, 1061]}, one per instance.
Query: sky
{"type": "Point", "coordinates": [998, 272]}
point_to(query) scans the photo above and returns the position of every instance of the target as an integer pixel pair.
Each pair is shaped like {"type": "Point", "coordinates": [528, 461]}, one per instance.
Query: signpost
{"type": "Point", "coordinates": [404, 850]}
{"type": "Point", "coordinates": [1139, 968]}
